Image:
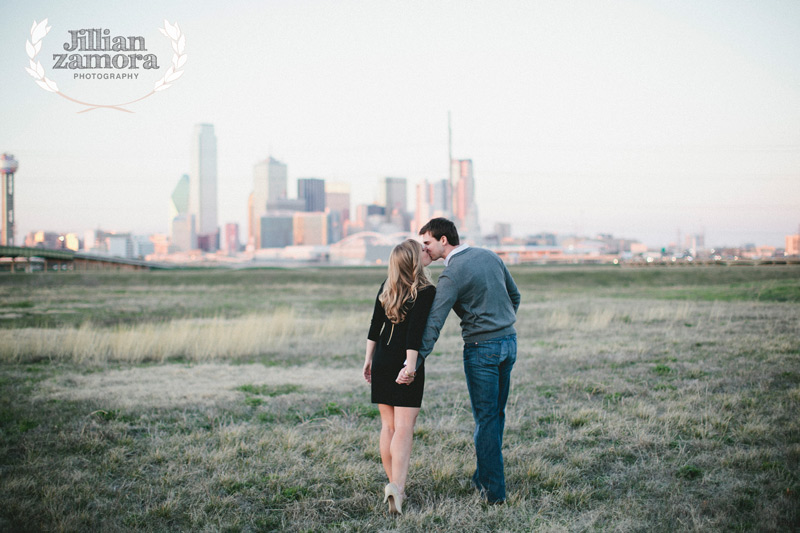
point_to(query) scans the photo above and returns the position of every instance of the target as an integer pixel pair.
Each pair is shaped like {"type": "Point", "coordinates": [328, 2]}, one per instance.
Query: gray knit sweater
{"type": "Point", "coordinates": [477, 285]}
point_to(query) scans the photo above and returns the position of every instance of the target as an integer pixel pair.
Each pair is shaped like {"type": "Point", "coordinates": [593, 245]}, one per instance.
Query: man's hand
{"type": "Point", "coordinates": [405, 377]}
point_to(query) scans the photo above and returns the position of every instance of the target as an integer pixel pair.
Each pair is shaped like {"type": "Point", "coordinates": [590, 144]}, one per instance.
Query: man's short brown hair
{"type": "Point", "coordinates": [441, 226]}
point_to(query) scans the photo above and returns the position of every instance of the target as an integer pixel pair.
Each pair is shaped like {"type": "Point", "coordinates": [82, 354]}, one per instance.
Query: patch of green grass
{"type": "Point", "coordinates": [107, 415]}
{"type": "Point", "coordinates": [786, 291]}
{"type": "Point", "coordinates": [291, 494]}
{"type": "Point", "coordinates": [266, 418]}
{"type": "Point", "coordinates": [25, 304]}
{"type": "Point", "coordinates": [616, 397]}
{"type": "Point", "coordinates": [760, 291]}
{"type": "Point", "coordinates": [330, 409]}
{"type": "Point", "coordinates": [26, 424]}
{"type": "Point", "coordinates": [366, 411]}
{"type": "Point", "coordinates": [690, 472]}
{"type": "Point", "coordinates": [662, 370]}
{"type": "Point", "coordinates": [269, 390]}
{"type": "Point", "coordinates": [664, 386]}
{"type": "Point", "coordinates": [791, 377]}
{"type": "Point", "coordinates": [696, 374]}
{"type": "Point", "coordinates": [253, 401]}
{"type": "Point", "coordinates": [340, 303]}
{"type": "Point", "coordinates": [578, 421]}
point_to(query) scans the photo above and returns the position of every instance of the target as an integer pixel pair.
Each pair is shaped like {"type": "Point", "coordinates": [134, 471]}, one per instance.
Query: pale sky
{"type": "Point", "coordinates": [639, 119]}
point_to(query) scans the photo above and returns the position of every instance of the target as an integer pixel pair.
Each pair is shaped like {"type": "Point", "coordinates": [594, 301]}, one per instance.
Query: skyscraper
{"type": "Point", "coordinates": [441, 201]}
{"type": "Point", "coordinates": [310, 228]}
{"type": "Point", "coordinates": [312, 190]}
{"type": "Point", "coordinates": [793, 244]}
{"type": "Point", "coordinates": [433, 200]}
{"type": "Point", "coordinates": [337, 202]}
{"type": "Point", "coordinates": [337, 198]}
{"type": "Point", "coordinates": [179, 201]}
{"type": "Point", "coordinates": [231, 244]}
{"type": "Point", "coordinates": [181, 222]}
{"type": "Point", "coordinates": [8, 166]}
{"type": "Point", "coordinates": [393, 196]}
{"type": "Point", "coordinates": [251, 223]}
{"type": "Point", "coordinates": [277, 229]}
{"type": "Point", "coordinates": [369, 217]}
{"type": "Point", "coordinates": [269, 186]}
{"type": "Point", "coordinates": [269, 183]}
{"type": "Point", "coordinates": [203, 187]}
{"type": "Point", "coordinates": [461, 190]}
{"type": "Point", "coordinates": [424, 206]}
{"type": "Point", "coordinates": [461, 172]}
{"type": "Point", "coordinates": [464, 206]}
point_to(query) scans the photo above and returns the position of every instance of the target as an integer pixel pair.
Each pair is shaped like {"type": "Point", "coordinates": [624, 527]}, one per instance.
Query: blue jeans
{"type": "Point", "coordinates": [487, 365]}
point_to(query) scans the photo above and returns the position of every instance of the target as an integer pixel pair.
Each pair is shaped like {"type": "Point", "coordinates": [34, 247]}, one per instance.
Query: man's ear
{"type": "Point", "coordinates": [443, 240]}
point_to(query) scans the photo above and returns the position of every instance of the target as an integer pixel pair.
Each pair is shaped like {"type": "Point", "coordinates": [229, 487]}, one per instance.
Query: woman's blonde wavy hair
{"type": "Point", "coordinates": [406, 278]}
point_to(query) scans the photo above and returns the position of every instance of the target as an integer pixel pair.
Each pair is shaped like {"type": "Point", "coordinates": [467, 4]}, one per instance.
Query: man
{"type": "Point", "coordinates": [477, 285]}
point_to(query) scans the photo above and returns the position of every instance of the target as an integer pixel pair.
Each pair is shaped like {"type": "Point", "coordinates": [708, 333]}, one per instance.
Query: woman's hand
{"type": "Point", "coordinates": [406, 375]}
{"type": "Point", "coordinates": [367, 371]}
{"type": "Point", "coordinates": [405, 378]}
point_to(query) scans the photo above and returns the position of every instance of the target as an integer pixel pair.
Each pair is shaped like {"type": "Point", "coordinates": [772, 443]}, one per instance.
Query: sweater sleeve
{"type": "Point", "coordinates": [418, 317]}
{"type": "Point", "coordinates": [377, 319]}
{"type": "Point", "coordinates": [513, 291]}
{"type": "Point", "coordinates": [446, 295]}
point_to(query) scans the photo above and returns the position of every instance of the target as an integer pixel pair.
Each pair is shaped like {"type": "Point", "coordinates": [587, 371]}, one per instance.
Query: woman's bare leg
{"type": "Point", "coordinates": [387, 435]}
{"type": "Point", "coordinates": [400, 448]}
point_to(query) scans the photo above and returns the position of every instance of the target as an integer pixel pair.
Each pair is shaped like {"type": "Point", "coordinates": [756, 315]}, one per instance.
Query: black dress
{"type": "Point", "coordinates": [390, 353]}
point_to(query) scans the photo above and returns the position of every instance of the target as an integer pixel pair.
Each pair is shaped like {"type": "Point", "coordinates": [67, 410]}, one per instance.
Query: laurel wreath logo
{"type": "Point", "coordinates": [171, 31]}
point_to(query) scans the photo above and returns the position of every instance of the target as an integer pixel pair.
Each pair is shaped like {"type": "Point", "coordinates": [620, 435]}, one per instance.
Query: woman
{"type": "Point", "coordinates": [398, 320]}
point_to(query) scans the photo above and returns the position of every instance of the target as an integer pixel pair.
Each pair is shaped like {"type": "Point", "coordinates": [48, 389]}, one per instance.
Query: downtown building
{"type": "Point", "coordinates": [269, 196]}
{"type": "Point", "coordinates": [316, 225]}
{"type": "Point", "coordinates": [370, 217]}
{"type": "Point", "coordinates": [296, 222]}
{"type": "Point", "coordinates": [230, 243]}
{"type": "Point", "coordinates": [337, 203]}
{"type": "Point", "coordinates": [392, 194]}
{"type": "Point", "coordinates": [281, 222]}
{"type": "Point", "coordinates": [203, 188]}
{"type": "Point", "coordinates": [792, 245]}
{"type": "Point", "coordinates": [432, 200]}
{"type": "Point", "coordinates": [465, 209]}
{"type": "Point", "coordinates": [390, 213]}
{"type": "Point", "coordinates": [181, 223]}
{"type": "Point", "coordinates": [8, 167]}
{"type": "Point", "coordinates": [312, 192]}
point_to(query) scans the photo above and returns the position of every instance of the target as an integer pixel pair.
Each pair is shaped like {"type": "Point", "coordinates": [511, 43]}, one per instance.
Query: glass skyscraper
{"type": "Point", "coordinates": [312, 190]}
{"type": "Point", "coordinates": [203, 187]}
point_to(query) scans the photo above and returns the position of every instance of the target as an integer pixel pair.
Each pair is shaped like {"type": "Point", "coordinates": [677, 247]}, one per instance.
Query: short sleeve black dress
{"type": "Point", "coordinates": [390, 353]}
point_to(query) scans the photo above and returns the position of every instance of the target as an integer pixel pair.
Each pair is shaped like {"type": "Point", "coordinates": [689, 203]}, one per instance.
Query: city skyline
{"type": "Point", "coordinates": [182, 225]}
{"type": "Point", "coordinates": [636, 119]}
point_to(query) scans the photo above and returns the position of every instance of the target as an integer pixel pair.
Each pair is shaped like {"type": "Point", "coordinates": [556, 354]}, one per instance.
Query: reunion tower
{"type": "Point", "coordinates": [8, 166]}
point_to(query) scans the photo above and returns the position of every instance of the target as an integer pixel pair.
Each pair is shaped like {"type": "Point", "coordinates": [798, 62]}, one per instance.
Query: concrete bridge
{"type": "Point", "coordinates": [21, 258]}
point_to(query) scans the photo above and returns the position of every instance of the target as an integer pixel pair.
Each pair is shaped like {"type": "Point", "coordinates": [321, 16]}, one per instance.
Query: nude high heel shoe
{"type": "Point", "coordinates": [392, 494]}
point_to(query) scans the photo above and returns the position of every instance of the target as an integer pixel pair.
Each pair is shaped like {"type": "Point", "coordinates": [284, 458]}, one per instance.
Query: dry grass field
{"type": "Point", "coordinates": [649, 399]}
